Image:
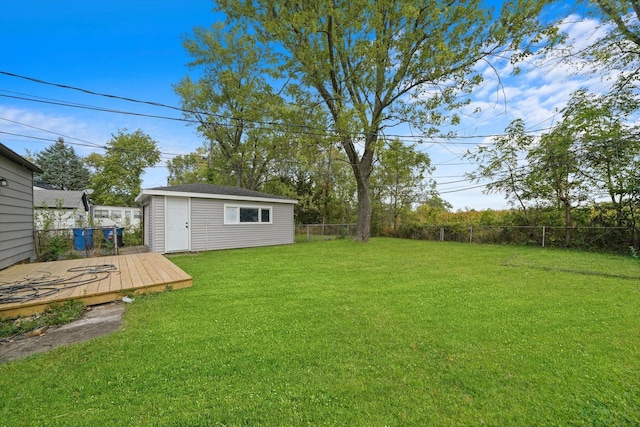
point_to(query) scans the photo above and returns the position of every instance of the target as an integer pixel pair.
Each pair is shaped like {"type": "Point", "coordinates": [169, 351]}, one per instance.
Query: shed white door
{"type": "Point", "coordinates": [177, 223]}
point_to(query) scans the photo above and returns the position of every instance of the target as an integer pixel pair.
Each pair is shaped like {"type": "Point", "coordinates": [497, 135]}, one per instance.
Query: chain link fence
{"type": "Point", "coordinates": [615, 239]}
{"type": "Point", "coordinates": [55, 244]}
{"type": "Point", "coordinates": [314, 232]}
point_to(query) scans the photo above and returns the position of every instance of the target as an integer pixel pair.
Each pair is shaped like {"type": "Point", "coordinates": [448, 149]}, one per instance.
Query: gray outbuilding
{"type": "Point", "coordinates": [203, 217]}
{"type": "Point", "coordinates": [16, 207]}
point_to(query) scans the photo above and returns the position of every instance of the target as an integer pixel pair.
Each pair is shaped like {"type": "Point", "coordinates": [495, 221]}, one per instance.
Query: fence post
{"type": "Point", "coordinates": [442, 234]}
{"type": "Point", "coordinates": [471, 234]}
{"type": "Point", "coordinates": [86, 242]}
{"type": "Point", "coordinates": [308, 236]}
{"type": "Point", "coordinates": [115, 240]}
{"type": "Point", "coordinates": [544, 229]}
{"type": "Point", "coordinates": [36, 241]}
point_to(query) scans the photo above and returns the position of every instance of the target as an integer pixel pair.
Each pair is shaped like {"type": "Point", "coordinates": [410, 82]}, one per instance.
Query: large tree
{"type": "Point", "coordinates": [234, 105]}
{"type": "Point", "coordinates": [557, 172]}
{"type": "Point", "coordinates": [118, 172]}
{"type": "Point", "coordinates": [62, 168]}
{"type": "Point", "coordinates": [604, 130]}
{"type": "Point", "coordinates": [374, 62]}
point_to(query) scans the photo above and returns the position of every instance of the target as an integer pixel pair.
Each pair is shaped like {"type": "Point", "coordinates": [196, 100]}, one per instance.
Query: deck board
{"type": "Point", "coordinates": [144, 272]}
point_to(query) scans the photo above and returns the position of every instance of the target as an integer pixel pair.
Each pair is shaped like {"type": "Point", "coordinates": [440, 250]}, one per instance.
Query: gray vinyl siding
{"type": "Point", "coordinates": [16, 214]}
{"type": "Point", "coordinates": [157, 231]}
{"type": "Point", "coordinates": [209, 232]}
{"type": "Point", "coordinates": [146, 225]}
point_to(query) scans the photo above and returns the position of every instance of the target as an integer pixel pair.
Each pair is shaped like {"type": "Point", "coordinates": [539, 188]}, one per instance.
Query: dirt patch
{"type": "Point", "coordinates": [97, 321]}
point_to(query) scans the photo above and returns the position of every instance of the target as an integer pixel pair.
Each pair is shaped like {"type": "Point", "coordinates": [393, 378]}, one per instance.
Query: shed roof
{"type": "Point", "coordinates": [68, 199]}
{"type": "Point", "coordinates": [210, 191]}
{"type": "Point", "coordinates": [16, 158]}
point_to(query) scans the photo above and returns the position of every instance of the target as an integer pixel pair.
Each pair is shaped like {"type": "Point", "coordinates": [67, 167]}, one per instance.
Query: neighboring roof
{"type": "Point", "coordinates": [210, 191]}
{"type": "Point", "coordinates": [39, 185]}
{"type": "Point", "coordinates": [94, 207]}
{"type": "Point", "coordinates": [16, 158]}
{"type": "Point", "coordinates": [69, 199]}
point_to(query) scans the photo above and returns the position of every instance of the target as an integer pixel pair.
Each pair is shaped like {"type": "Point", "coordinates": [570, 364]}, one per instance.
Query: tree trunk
{"type": "Point", "coordinates": [362, 171]}
{"type": "Point", "coordinates": [567, 223]}
{"type": "Point", "coordinates": [363, 228]}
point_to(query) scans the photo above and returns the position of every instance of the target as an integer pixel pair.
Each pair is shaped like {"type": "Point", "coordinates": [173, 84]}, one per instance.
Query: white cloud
{"type": "Point", "coordinates": [35, 124]}
{"type": "Point", "coordinates": [86, 130]}
{"type": "Point", "coordinates": [536, 95]}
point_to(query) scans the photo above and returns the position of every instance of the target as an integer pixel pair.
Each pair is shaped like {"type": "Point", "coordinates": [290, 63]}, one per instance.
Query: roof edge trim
{"type": "Point", "coordinates": [145, 193]}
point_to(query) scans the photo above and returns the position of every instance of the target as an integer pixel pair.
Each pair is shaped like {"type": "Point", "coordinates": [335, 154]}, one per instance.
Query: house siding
{"type": "Point", "coordinates": [206, 220]}
{"type": "Point", "coordinates": [58, 219]}
{"type": "Point", "coordinates": [157, 230]}
{"type": "Point", "coordinates": [16, 214]}
{"type": "Point", "coordinates": [116, 216]}
{"type": "Point", "coordinates": [208, 231]}
{"type": "Point", "coordinates": [146, 224]}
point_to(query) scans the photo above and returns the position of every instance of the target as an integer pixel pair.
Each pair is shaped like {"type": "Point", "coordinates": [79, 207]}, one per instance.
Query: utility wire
{"type": "Point", "coordinates": [93, 145]}
{"type": "Point", "coordinates": [105, 110]}
{"type": "Point", "coordinates": [55, 133]}
{"type": "Point", "coordinates": [323, 131]}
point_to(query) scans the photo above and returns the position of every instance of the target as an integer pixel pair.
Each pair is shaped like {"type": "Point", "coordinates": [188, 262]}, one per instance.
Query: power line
{"type": "Point", "coordinates": [152, 103]}
{"type": "Point", "coordinates": [90, 92]}
{"type": "Point", "coordinates": [47, 139]}
{"type": "Point", "coordinates": [458, 190]}
{"type": "Point", "coordinates": [105, 110]}
{"type": "Point", "coordinates": [104, 147]}
{"type": "Point", "coordinates": [440, 139]}
{"type": "Point", "coordinates": [55, 133]}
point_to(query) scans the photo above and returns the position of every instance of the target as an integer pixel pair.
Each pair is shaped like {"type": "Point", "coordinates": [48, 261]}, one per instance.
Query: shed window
{"type": "Point", "coordinates": [247, 214]}
{"type": "Point", "coordinates": [101, 213]}
{"type": "Point", "coordinates": [231, 215]}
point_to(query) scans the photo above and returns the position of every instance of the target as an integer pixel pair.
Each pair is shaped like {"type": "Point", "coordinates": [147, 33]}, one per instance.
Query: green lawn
{"type": "Point", "coordinates": [339, 333]}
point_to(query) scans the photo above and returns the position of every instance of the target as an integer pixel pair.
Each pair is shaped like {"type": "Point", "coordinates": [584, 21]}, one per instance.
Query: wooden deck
{"type": "Point", "coordinates": [29, 288]}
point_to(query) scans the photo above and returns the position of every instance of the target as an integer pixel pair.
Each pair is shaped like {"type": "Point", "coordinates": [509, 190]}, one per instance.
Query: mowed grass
{"type": "Point", "coordinates": [390, 332]}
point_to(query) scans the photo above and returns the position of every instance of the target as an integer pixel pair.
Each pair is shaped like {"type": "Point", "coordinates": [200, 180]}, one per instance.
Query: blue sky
{"type": "Point", "coordinates": [134, 49]}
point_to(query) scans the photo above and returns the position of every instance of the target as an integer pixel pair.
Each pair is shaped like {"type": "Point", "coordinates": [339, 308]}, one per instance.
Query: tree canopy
{"type": "Point", "coordinates": [118, 173]}
{"type": "Point", "coordinates": [372, 63]}
{"type": "Point", "coordinates": [235, 106]}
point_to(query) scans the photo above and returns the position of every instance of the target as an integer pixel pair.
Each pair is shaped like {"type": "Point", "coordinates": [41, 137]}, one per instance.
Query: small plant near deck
{"type": "Point", "coordinates": [56, 314]}
{"type": "Point", "coordinates": [55, 245]}
{"type": "Point", "coordinates": [54, 242]}
{"type": "Point", "coordinates": [132, 235]}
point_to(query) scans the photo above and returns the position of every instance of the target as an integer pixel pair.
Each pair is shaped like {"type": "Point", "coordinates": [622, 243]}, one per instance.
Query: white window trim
{"type": "Point", "coordinates": [237, 206]}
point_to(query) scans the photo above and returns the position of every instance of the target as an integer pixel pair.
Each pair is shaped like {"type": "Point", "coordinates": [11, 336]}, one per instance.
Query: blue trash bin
{"type": "Point", "coordinates": [108, 235]}
{"type": "Point", "coordinates": [120, 233]}
{"type": "Point", "coordinates": [82, 238]}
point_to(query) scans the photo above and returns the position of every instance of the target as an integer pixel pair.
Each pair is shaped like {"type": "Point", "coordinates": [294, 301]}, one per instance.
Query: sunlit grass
{"type": "Point", "coordinates": [340, 333]}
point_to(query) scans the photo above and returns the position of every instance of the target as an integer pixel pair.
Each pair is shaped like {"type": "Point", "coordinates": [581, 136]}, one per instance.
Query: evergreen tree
{"type": "Point", "coordinates": [63, 168]}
